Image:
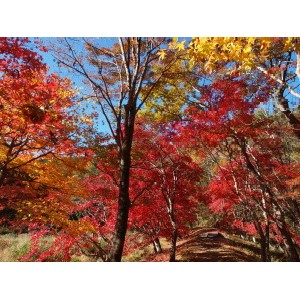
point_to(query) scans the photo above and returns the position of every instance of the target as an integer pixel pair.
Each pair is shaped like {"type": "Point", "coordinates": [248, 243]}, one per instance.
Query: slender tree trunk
{"type": "Point", "coordinates": [264, 242]}
{"type": "Point", "coordinates": [263, 249]}
{"type": "Point", "coordinates": [173, 238]}
{"type": "Point", "coordinates": [267, 242]}
{"type": "Point", "coordinates": [289, 245]}
{"type": "Point", "coordinates": [267, 231]}
{"type": "Point", "coordinates": [157, 246]}
{"type": "Point", "coordinates": [3, 174]}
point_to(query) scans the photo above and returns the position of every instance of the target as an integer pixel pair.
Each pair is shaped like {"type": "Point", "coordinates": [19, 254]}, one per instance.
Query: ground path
{"type": "Point", "coordinates": [211, 245]}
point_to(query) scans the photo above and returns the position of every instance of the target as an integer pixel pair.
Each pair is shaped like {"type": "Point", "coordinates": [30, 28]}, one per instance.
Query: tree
{"type": "Point", "coordinates": [163, 163]}
{"type": "Point", "coordinates": [121, 79]}
{"type": "Point", "coordinates": [35, 121]}
{"type": "Point", "coordinates": [249, 156]}
{"type": "Point", "coordinates": [160, 162]}
{"type": "Point", "coordinates": [276, 58]}
{"type": "Point", "coordinates": [41, 155]}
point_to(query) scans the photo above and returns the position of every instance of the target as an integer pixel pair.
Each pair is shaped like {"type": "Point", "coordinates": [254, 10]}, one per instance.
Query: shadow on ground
{"type": "Point", "coordinates": [210, 245]}
{"type": "Point", "coordinates": [217, 249]}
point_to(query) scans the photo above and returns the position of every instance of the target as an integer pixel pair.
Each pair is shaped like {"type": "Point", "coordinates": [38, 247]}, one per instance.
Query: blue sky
{"type": "Point", "coordinates": [49, 59]}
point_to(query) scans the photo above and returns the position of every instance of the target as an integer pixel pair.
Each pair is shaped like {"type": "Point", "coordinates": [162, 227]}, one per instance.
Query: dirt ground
{"type": "Point", "coordinates": [211, 245]}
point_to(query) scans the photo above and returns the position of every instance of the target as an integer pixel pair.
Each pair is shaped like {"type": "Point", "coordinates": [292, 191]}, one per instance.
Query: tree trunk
{"type": "Point", "coordinates": [3, 174]}
{"type": "Point", "coordinates": [173, 238]}
{"type": "Point", "coordinates": [118, 239]}
{"type": "Point", "coordinates": [283, 103]}
{"type": "Point", "coordinates": [289, 245]}
{"type": "Point", "coordinates": [122, 213]}
{"type": "Point", "coordinates": [263, 246]}
{"type": "Point", "coordinates": [267, 231]}
{"type": "Point", "coordinates": [157, 246]}
{"type": "Point", "coordinates": [264, 242]}
{"type": "Point", "coordinates": [283, 106]}
{"type": "Point", "coordinates": [267, 242]}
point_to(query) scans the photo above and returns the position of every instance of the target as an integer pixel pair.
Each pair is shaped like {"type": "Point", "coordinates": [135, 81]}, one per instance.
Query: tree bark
{"type": "Point", "coordinates": [264, 242]}
{"type": "Point", "coordinates": [118, 239]}
{"type": "Point", "coordinates": [289, 245]}
{"type": "Point", "coordinates": [283, 106]}
{"type": "Point", "coordinates": [157, 246]}
{"type": "Point", "coordinates": [283, 103]}
{"type": "Point", "coordinates": [173, 238]}
{"type": "Point", "coordinates": [267, 242]}
{"type": "Point", "coordinates": [266, 234]}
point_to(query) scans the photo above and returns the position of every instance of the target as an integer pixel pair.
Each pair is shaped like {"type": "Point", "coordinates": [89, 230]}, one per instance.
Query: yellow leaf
{"type": "Point", "coordinates": [248, 49]}
{"type": "Point", "coordinates": [181, 45]}
{"type": "Point", "coordinates": [161, 54]}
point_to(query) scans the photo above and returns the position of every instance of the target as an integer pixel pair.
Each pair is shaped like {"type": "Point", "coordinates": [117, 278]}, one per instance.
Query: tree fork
{"type": "Point", "coordinates": [283, 106]}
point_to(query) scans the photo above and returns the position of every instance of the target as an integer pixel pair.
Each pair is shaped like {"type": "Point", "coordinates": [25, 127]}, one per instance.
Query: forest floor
{"type": "Point", "coordinates": [198, 246]}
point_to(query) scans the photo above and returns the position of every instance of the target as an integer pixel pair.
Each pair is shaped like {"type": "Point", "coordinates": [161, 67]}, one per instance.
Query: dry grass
{"type": "Point", "coordinates": [82, 258]}
{"type": "Point", "coordinates": [13, 246]}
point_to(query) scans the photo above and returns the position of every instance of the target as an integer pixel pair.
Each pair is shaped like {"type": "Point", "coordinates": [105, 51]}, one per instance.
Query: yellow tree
{"type": "Point", "coordinates": [276, 58]}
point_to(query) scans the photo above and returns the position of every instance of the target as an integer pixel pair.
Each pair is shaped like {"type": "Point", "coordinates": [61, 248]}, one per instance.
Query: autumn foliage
{"type": "Point", "coordinates": [190, 123]}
